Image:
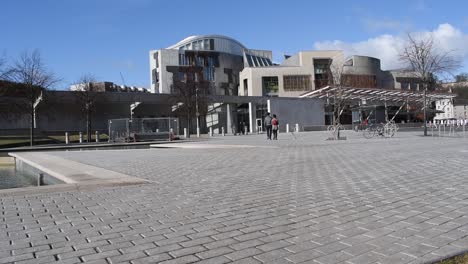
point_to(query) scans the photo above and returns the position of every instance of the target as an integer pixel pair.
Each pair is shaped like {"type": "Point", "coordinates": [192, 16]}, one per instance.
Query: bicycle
{"type": "Point", "coordinates": [384, 130]}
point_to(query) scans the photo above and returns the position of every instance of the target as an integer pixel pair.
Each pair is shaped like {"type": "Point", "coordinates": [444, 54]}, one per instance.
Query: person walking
{"type": "Point", "coordinates": [275, 127]}
{"type": "Point", "coordinates": [267, 123]}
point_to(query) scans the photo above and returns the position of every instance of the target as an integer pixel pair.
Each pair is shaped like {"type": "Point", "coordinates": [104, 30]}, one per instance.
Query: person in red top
{"type": "Point", "coordinates": [275, 127]}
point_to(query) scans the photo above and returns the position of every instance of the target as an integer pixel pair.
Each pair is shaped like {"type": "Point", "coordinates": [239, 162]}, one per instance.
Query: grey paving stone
{"type": "Point", "coordinates": [274, 203]}
{"type": "Point", "coordinates": [244, 253]}
{"type": "Point", "coordinates": [186, 251]}
{"type": "Point", "coordinates": [152, 259]}
{"type": "Point", "coordinates": [274, 255]}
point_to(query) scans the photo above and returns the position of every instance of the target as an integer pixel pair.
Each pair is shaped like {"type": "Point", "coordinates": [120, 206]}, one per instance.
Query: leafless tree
{"type": "Point", "coordinates": [86, 96]}
{"type": "Point", "coordinates": [190, 95]}
{"type": "Point", "coordinates": [336, 79]}
{"type": "Point", "coordinates": [32, 76]}
{"type": "Point", "coordinates": [462, 77]}
{"type": "Point", "coordinates": [426, 61]}
{"type": "Point", "coordinates": [3, 70]}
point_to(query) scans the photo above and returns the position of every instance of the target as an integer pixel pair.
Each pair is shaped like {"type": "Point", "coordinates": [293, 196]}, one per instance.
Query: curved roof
{"type": "Point", "coordinates": [220, 43]}
{"type": "Point", "coordinates": [197, 37]}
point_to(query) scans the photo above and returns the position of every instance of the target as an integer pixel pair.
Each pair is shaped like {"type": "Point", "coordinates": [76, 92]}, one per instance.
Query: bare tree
{"type": "Point", "coordinates": [426, 61]}
{"type": "Point", "coordinates": [86, 96]}
{"type": "Point", "coordinates": [31, 74]}
{"type": "Point", "coordinates": [336, 79]}
{"type": "Point", "coordinates": [3, 70]}
{"type": "Point", "coordinates": [190, 94]}
{"type": "Point", "coordinates": [462, 77]}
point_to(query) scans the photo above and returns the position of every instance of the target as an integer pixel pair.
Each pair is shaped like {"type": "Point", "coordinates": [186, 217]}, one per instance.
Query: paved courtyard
{"type": "Point", "coordinates": [300, 199]}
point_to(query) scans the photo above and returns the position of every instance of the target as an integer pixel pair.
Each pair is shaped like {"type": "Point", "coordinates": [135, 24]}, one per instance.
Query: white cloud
{"type": "Point", "coordinates": [387, 47]}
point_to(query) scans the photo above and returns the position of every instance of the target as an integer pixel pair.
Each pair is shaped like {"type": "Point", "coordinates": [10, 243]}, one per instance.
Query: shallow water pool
{"type": "Point", "coordinates": [10, 178]}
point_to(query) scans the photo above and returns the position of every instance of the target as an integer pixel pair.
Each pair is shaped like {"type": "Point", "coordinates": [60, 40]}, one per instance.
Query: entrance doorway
{"type": "Point", "coordinates": [259, 125]}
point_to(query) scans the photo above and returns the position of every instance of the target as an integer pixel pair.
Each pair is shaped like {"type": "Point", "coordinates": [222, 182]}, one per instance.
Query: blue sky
{"type": "Point", "coordinates": [106, 37]}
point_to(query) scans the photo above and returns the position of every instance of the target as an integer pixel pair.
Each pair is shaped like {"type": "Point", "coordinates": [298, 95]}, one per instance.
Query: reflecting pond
{"type": "Point", "coordinates": [9, 178]}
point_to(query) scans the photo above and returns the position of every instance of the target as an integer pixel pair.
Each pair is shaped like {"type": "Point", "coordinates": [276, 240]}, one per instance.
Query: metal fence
{"type": "Point", "coordinates": [143, 129]}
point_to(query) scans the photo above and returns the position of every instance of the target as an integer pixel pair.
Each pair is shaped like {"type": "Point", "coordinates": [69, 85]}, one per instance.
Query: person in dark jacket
{"type": "Point", "coordinates": [267, 123]}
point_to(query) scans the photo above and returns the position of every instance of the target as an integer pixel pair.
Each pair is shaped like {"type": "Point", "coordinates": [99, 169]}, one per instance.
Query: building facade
{"type": "Point", "coordinates": [311, 70]}
{"type": "Point", "coordinates": [216, 59]}
{"type": "Point", "coordinates": [300, 73]}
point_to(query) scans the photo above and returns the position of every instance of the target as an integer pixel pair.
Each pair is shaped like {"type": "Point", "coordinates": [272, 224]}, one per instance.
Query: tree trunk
{"type": "Point", "coordinates": [31, 134]}
{"type": "Point", "coordinates": [425, 115]}
{"type": "Point", "coordinates": [88, 126]}
{"type": "Point", "coordinates": [188, 124]}
{"type": "Point", "coordinates": [32, 113]}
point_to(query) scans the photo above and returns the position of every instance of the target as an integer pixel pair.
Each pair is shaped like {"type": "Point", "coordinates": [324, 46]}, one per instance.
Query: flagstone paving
{"type": "Point", "coordinates": [300, 199]}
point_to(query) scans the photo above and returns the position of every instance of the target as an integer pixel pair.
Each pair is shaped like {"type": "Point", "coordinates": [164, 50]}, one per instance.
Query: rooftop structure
{"type": "Point", "coordinates": [214, 61]}
{"type": "Point", "coordinates": [106, 87]}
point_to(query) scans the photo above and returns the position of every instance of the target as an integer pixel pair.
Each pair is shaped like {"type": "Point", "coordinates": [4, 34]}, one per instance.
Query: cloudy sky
{"type": "Point", "coordinates": [386, 47]}
{"type": "Point", "coordinates": [110, 38]}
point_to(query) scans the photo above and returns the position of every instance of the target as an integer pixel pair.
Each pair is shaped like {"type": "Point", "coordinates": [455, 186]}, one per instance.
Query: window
{"type": "Point", "coordinates": [246, 87]}
{"type": "Point", "coordinates": [206, 44]}
{"type": "Point", "coordinates": [196, 45]}
{"type": "Point", "coordinates": [322, 72]}
{"type": "Point", "coordinates": [208, 74]}
{"type": "Point", "coordinates": [270, 85]}
{"type": "Point", "coordinates": [297, 83]}
{"type": "Point", "coordinates": [212, 47]}
{"type": "Point", "coordinates": [155, 76]}
{"type": "Point", "coordinates": [359, 81]}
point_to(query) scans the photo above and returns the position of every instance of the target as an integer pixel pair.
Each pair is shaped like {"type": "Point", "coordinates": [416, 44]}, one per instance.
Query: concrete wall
{"type": "Point", "coordinates": [166, 57]}
{"type": "Point", "coordinates": [363, 65]}
{"type": "Point", "coordinates": [299, 64]}
{"type": "Point", "coordinates": [308, 112]}
{"type": "Point", "coordinates": [291, 61]}
{"type": "Point", "coordinates": [235, 64]}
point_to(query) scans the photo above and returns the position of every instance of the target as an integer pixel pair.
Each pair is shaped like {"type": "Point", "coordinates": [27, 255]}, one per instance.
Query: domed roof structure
{"type": "Point", "coordinates": [212, 42]}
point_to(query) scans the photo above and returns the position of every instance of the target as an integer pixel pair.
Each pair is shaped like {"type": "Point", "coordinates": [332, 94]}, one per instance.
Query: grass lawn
{"type": "Point", "coordinates": [76, 138]}
{"type": "Point", "coordinates": [13, 141]}
{"type": "Point", "coordinates": [462, 259]}
{"type": "Point", "coordinates": [19, 141]}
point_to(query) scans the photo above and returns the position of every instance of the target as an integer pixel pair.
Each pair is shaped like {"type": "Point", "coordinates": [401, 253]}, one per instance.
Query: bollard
{"type": "Point", "coordinates": [297, 128]}
{"type": "Point", "coordinates": [40, 179]}
{"type": "Point", "coordinates": [246, 131]}
{"type": "Point", "coordinates": [97, 136]}
{"type": "Point", "coordinates": [287, 128]}
{"type": "Point", "coordinates": [81, 137]}
{"type": "Point", "coordinates": [222, 131]}
{"type": "Point", "coordinates": [185, 132]}
{"type": "Point", "coordinates": [211, 131]}
{"type": "Point", "coordinates": [157, 130]}
{"type": "Point", "coordinates": [67, 138]}
{"type": "Point", "coordinates": [198, 132]}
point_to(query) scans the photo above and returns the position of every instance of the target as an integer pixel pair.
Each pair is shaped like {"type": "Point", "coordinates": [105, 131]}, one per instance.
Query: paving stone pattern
{"type": "Point", "coordinates": [303, 200]}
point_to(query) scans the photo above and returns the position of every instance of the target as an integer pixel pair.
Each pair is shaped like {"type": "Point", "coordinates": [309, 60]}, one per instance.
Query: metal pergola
{"type": "Point", "coordinates": [375, 95]}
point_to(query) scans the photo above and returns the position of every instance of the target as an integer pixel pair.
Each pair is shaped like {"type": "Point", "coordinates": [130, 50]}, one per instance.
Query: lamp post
{"type": "Point", "coordinates": [424, 112]}
{"type": "Point", "coordinates": [197, 113]}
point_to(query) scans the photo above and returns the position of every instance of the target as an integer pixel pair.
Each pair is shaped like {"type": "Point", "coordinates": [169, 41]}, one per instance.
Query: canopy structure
{"type": "Point", "coordinates": [375, 95]}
